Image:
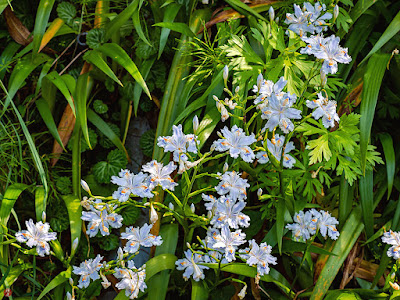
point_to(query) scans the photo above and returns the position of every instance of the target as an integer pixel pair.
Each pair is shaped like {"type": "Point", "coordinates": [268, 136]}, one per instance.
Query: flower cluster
{"type": "Point", "coordinates": [37, 235]}
{"type": "Point", "coordinates": [309, 223]}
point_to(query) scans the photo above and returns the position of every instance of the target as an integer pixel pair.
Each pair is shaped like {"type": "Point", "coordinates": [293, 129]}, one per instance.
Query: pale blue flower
{"type": "Point", "coordinates": [101, 219]}
{"type": "Point", "coordinates": [279, 111]}
{"type": "Point", "coordinates": [131, 184]}
{"type": "Point", "coordinates": [226, 240]}
{"type": "Point", "coordinates": [37, 235]}
{"type": "Point", "coordinates": [329, 50]}
{"type": "Point", "coordinates": [211, 201]}
{"type": "Point", "coordinates": [259, 255]}
{"type": "Point", "coordinates": [266, 89]}
{"type": "Point", "coordinates": [230, 212]}
{"type": "Point", "coordinates": [88, 270]}
{"type": "Point", "coordinates": [191, 265]}
{"type": "Point", "coordinates": [326, 224]}
{"type": "Point", "coordinates": [304, 227]}
{"type": "Point", "coordinates": [275, 147]}
{"type": "Point", "coordinates": [237, 142]}
{"type": "Point", "coordinates": [132, 279]}
{"type": "Point", "coordinates": [160, 175]}
{"type": "Point", "coordinates": [324, 108]}
{"type": "Point", "coordinates": [179, 143]}
{"type": "Point", "coordinates": [139, 237]}
{"type": "Point", "coordinates": [392, 238]}
{"type": "Point", "coordinates": [233, 186]}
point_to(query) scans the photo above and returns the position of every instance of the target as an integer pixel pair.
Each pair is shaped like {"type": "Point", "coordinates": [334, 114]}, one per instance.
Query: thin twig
{"type": "Point", "coordinates": [73, 60]}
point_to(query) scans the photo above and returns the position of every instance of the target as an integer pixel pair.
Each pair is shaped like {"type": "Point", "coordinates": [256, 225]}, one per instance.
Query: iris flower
{"type": "Point", "coordinates": [132, 280]}
{"type": "Point", "coordinates": [325, 109]}
{"type": "Point", "coordinates": [191, 266]}
{"type": "Point", "coordinates": [101, 219]}
{"type": "Point", "coordinates": [259, 255]}
{"type": "Point", "coordinates": [140, 237]}
{"type": "Point", "coordinates": [275, 147]}
{"type": "Point", "coordinates": [226, 240]}
{"type": "Point", "coordinates": [392, 238]}
{"type": "Point", "coordinates": [88, 270]}
{"type": "Point", "coordinates": [233, 186]}
{"type": "Point", "coordinates": [160, 174]}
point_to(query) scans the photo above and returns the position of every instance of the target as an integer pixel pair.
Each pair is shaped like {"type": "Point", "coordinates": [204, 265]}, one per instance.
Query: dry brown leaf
{"type": "Point", "coordinates": [17, 30]}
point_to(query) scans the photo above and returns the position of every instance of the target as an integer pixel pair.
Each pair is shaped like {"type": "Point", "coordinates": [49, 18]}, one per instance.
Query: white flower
{"type": "Point", "coordinates": [191, 266]}
{"type": "Point", "coordinates": [305, 225]}
{"type": "Point", "coordinates": [160, 175]}
{"type": "Point", "coordinates": [237, 142]}
{"type": "Point", "coordinates": [275, 147]}
{"type": "Point", "coordinates": [138, 185]}
{"type": "Point", "coordinates": [392, 238]}
{"type": "Point", "coordinates": [153, 214]}
{"type": "Point", "coordinates": [101, 219]}
{"type": "Point", "coordinates": [266, 89]}
{"type": "Point", "coordinates": [132, 279]}
{"type": "Point", "coordinates": [259, 256]}
{"type": "Point", "coordinates": [211, 201]}
{"type": "Point", "coordinates": [140, 237]}
{"type": "Point", "coordinates": [195, 123]}
{"type": "Point", "coordinates": [230, 213]}
{"type": "Point", "coordinates": [226, 240]}
{"type": "Point", "coordinates": [233, 186]}
{"type": "Point", "coordinates": [178, 143]}
{"type": "Point", "coordinates": [326, 224]}
{"type": "Point", "coordinates": [37, 235]}
{"type": "Point", "coordinates": [88, 270]}
{"type": "Point", "coordinates": [325, 109]}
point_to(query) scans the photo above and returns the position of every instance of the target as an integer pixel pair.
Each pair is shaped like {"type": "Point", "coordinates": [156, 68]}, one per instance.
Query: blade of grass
{"type": "Point", "coordinates": [388, 150]}
{"type": "Point", "coordinates": [83, 87]}
{"type": "Point", "coordinates": [372, 83]}
{"type": "Point", "coordinates": [120, 19]}
{"type": "Point", "coordinates": [199, 291]}
{"type": "Point", "coordinates": [56, 281]}
{"type": "Point", "coordinates": [169, 16]}
{"type": "Point", "coordinates": [345, 201]}
{"type": "Point", "coordinates": [137, 92]}
{"type": "Point", "coordinates": [178, 27]}
{"type": "Point", "coordinates": [244, 9]}
{"type": "Point", "coordinates": [58, 81]}
{"type": "Point", "coordinates": [138, 27]}
{"type": "Point", "coordinates": [51, 32]}
{"type": "Point", "coordinates": [42, 18]}
{"type": "Point", "coordinates": [74, 208]}
{"type": "Point", "coordinates": [95, 58]}
{"type": "Point", "coordinates": [367, 201]}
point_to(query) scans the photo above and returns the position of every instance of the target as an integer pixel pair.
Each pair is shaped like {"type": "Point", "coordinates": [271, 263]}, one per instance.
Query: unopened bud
{"type": "Point", "coordinates": [335, 12]}
{"type": "Point", "coordinates": [44, 217]}
{"type": "Point", "coordinates": [120, 254]}
{"type": "Point", "coordinates": [242, 293]}
{"type": "Point", "coordinates": [277, 20]}
{"type": "Point", "coordinates": [85, 186]}
{"type": "Point", "coordinates": [105, 283]}
{"type": "Point", "coordinates": [187, 244]}
{"type": "Point", "coordinates": [69, 296]}
{"type": "Point", "coordinates": [153, 215]}
{"type": "Point", "coordinates": [271, 13]}
{"type": "Point", "coordinates": [323, 78]}
{"type": "Point", "coordinates": [215, 98]}
{"type": "Point", "coordinates": [259, 192]}
{"type": "Point", "coordinates": [260, 80]}
{"type": "Point", "coordinates": [395, 52]}
{"type": "Point", "coordinates": [74, 245]}
{"type": "Point", "coordinates": [71, 282]}
{"type": "Point", "coordinates": [226, 73]}
{"type": "Point", "coordinates": [237, 89]}
{"type": "Point", "coordinates": [225, 168]}
{"type": "Point", "coordinates": [394, 285]}
{"type": "Point", "coordinates": [192, 208]}
{"type": "Point", "coordinates": [195, 124]}
{"type": "Point", "coordinates": [171, 206]}
{"type": "Point", "coordinates": [212, 148]}
{"type": "Point", "coordinates": [209, 214]}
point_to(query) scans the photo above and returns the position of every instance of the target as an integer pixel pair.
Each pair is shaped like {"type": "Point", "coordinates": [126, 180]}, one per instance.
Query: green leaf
{"type": "Point", "coordinates": [244, 9]}
{"type": "Point", "coordinates": [95, 38]}
{"type": "Point", "coordinates": [367, 201]}
{"type": "Point", "coordinates": [345, 199]}
{"type": "Point", "coordinates": [42, 18]}
{"type": "Point", "coordinates": [120, 19]}
{"type": "Point", "coordinates": [106, 130]}
{"type": "Point", "coordinates": [109, 242]}
{"type": "Point", "coordinates": [391, 31]}
{"type": "Point", "coordinates": [199, 291]}
{"type": "Point", "coordinates": [341, 247]}
{"type": "Point", "coordinates": [130, 214]}
{"type": "Point", "coordinates": [169, 16]}
{"type": "Point", "coordinates": [182, 28]}
{"type": "Point", "coordinates": [12, 276]}
{"type": "Point", "coordinates": [74, 208]}
{"type": "Point", "coordinates": [160, 263]}
{"type": "Point", "coordinates": [280, 221]}
{"type": "Point", "coordinates": [372, 83]}
{"type": "Point", "coordinates": [40, 202]}
{"type": "Point", "coordinates": [360, 8]}
{"type": "Point", "coordinates": [45, 113]}
{"type": "Point", "coordinates": [138, 27]}
{"type": "Point", "coordinates": [103, 170]}
{"type": "Point", "coordinates": [59, 82]}
{"type": "Point", "coordinates": [319, 148]}
{"type": "Point", "coordinates": [116, 53]}
{"type": "Point", "coordinates": [100, 107]}
{"type": "Point", "coordinates": [83, 87]}
{"type": "Point", "coordinates": [66, 11]}
{"type": "Point", "coordinates": [56, 281]}
{"type": "Point", "coordinates": [388, 150]}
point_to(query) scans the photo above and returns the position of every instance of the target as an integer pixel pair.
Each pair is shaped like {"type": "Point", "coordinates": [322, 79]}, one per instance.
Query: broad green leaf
{"type": "Point", "coordinates": [74, 208]}
{"type": "Point", "coordinates": [20, 72]}
{"type": "Point", "coordinates": [345, 200]}
{"type": "Point", "coordinates": [391, 31]}
{"type": "Point", "coordinates": [97, 121]}
{"type": "Point", "coordinates": [182, 28]}
{"type": "Point", "coordinates": [372, 82]}
{"type": "Point", "coordinates": [360, 8]}
{"type": "Point", "coordinates": [244, 9]}
{"type": "Point", "coordinates": [388, 150]}
{"type": "Point", "coordinates": [95, 58]}
{"type": "Point", "coordinates": [40, 202]}
{"type": "Point", "coordinates": [169, 16]}
{"type": "Point", "coordinates": [367, 201]}
{"type": "Point", "coordinates": [56, 281]}
{"type": "Point", "coordinates": [58, 81]}
{"type": "Point", "coordinates": [83, 87]}
{"type": "Point", "coordinates": [199, 291]}
{"type": "Point", "coordinates": [289, 246]}
{"type": "Point", "coordinates": [116, 53]}
{"type": "Point", "coordinates": [42, 17]}
{"type": "Point", "coordinates": [120, 19]}
{"type": "Point", "coordinates": [138, 27]}
{"type": "Point", "coordinates": [10, 196]}
{"type": "Point", "coordinates": [47, 117]}
{"type": "Point", "coordinates": [7, 56]}
{"type": "Point", "coordinates": [341, 247]}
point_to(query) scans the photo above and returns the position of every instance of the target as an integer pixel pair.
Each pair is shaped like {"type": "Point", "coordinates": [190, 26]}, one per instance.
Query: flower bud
{"type": "Point", "coordinates": [74, 245]}
{"type": "Point", "coordinates": [120, 254]}
{"type": "Point", "coordinates": [259, 192]}
{"type": "Point", "coordinates": [192, 208]}
{"type": "Point", "coordinates": [237, 89]}
{"type": "Point", "coordinates": [69, 297]}
{"type": "Point", "coordinates": [277, 20]}
{"type": "Point", "coordinates": [271, 13]}
{"type": "Point", "coordinates": [171, 206]}
{"type": "Point", "coordinates": [323, 78]}
{"type": "Point", "coordinates": [71, 282]}
{"type": "Point", "coordinates": [209, 214]}
{"type": "Point", "coordinates": [242, 293]}
{"type": "Point", "coordinates": [44, 217]}
{"type": "Point", "coordinates": [212, 148]}
{"type": "Point", "coordinates": [394, 285]}
{"type": "Point", "coordinates": [226, 73]}
{"type": "Point", "coordinates": [260, 80]}
{"type": "Point", "coordinates": [195, 124]}
{"type": "Point", "coordinates": [85, 186]}
{"type": "Point", "coordinates": [153, 215]}
{"type": "Point", "coordinates": [215, 98]}
{"type": "Point", "coordinates": [105, 283]}
{"type": "Point", "coordinates": [335, 12]}
{"type": "Point", "coordinates": [225, 168]}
